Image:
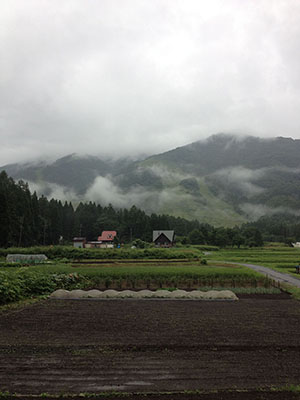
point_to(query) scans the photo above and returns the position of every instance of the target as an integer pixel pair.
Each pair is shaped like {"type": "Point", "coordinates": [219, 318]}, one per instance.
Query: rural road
{"type": "Point", "coordinates": [277, 276]}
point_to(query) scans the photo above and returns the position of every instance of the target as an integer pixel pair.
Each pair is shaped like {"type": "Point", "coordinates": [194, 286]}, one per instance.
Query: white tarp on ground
{"type": "Point", "coordinates": [26, 258]}
{"type": "Point", "coordinates": [144, 294]}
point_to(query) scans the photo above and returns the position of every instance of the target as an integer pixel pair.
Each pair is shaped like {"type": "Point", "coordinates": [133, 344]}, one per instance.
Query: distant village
{"type": "Point", "coordinates": [108, 240]}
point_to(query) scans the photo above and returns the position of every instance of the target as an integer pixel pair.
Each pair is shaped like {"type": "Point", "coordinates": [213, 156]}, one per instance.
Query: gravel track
{"type": "Point", "coordinates": [277, 276]}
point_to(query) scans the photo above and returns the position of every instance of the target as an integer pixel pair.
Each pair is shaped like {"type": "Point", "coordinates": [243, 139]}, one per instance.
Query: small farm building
{"type": "Point", "coordinates": [79, 242]}
{"type": "Point", "coordinates": [164, 238]}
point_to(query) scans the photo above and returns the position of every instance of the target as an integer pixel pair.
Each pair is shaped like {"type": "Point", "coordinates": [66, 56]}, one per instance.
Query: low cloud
{"type": "Point", "coordinates": [243, 179]}
{"type": "Point", "coordinates": [53, 191]}
{"type": "Point", "coordinates": [168, 175]}
{"type": "Point", "coordinates": [255, 211]}
{"type": "Point", "coordinates": [105, 192]}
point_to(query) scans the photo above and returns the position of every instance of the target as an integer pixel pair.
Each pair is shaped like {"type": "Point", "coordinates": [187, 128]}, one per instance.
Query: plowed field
{"type": "Point", "coordinates": [153, 346]}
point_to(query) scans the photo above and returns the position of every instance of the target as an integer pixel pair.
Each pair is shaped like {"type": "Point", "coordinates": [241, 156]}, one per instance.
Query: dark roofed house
{"type": "Point", "coordinates": [164, 238]}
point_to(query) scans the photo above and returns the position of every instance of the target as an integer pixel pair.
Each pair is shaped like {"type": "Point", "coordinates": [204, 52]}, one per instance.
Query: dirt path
{"type": "Point", "coordinates": [277, 276]}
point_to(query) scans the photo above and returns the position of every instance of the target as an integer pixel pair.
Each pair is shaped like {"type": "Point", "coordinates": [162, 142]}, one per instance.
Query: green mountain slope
{"type": "Point", "coordinates": [223, 180]}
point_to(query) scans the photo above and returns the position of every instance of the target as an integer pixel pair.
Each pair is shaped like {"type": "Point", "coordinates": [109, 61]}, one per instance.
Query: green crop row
{"type": "Point", "coordinates": [68, 252]}
{"type": "Point", "coordinates": [144, 270]}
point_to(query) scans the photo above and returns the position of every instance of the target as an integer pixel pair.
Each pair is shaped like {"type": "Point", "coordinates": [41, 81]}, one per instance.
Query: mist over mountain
{"type": "Point", "coordinates": [224, 180]}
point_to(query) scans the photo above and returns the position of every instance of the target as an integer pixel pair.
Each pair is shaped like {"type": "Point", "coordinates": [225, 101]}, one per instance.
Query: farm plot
{"type": "Point", "coordinates": [25, 282]}
{"type": "Point", "coordinates": [73, 347]}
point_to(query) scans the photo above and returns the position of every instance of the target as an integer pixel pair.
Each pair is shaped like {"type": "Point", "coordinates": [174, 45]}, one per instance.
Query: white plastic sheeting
{"type": "Point", "coordinates": [26, 258]}
{"type": "Point", "coordinates": [144, 294]}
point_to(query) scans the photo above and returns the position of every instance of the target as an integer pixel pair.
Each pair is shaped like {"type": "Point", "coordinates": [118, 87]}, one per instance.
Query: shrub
{"type": "Point", "coordinates": [10, 288]}
{"type": "Point", "coordinates": [24, 284]}
{"type": "Point", "coordinates": [6, 264]}
{"type": "Point", "coordinates": [72, 253]}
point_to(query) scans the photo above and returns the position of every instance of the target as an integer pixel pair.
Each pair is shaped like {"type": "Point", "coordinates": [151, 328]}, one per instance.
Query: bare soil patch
{"type": "Point", "coordinates": [152, 346]}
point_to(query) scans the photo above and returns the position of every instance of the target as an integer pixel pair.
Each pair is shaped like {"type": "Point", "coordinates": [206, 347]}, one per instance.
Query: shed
{"type": "Point", "coordinates": [79, 242]}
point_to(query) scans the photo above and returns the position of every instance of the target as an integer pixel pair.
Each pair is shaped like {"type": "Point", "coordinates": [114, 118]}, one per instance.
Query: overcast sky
{"type": "Point", "coordinates": [122, 77]}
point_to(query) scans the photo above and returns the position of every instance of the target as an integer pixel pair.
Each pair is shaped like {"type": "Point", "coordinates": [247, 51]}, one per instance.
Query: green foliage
{"type": "Point", "coordinates": [10, 288]}
{"type": "Point", "coordinates": [5, 395]}
{"type": "Point", "coordinates": [295, 292]}
{"type": "Point", "coordinates": [140, 244]}
{"type": "Point", "coordinates": [196, 237]}
{"type": "Point", "coordinates": [72, 253]}
{"type": "Point", "coordinates": [24, 283]}
{"type": "Point", "coordinates": [11, 265]}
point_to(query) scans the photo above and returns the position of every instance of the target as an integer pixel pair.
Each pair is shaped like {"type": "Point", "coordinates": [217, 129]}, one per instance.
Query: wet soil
{"type": "Point", "coordinates": [225, 350]}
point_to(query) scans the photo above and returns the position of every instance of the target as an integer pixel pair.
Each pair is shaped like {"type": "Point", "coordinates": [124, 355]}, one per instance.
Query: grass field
{"type": "Point", "coordinates": [283, 259]}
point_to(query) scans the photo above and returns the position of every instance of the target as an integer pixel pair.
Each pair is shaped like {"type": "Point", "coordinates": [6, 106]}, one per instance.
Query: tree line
{"type": "Point", "coordinates": [26, 220]}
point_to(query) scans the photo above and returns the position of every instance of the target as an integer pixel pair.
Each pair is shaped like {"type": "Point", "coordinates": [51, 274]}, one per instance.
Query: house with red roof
{"type": "Point", "coordinates": [107, 237]}
{"type": "Point", "coordinates": [105, 241]}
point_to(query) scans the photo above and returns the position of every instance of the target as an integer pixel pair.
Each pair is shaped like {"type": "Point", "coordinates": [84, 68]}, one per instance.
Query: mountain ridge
{"type": "Point", "coordinates": [223, 180]}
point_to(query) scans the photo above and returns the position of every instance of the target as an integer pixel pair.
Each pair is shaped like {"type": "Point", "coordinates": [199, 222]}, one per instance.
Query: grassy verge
{"type": "Point", "coordinates": [295, 292]}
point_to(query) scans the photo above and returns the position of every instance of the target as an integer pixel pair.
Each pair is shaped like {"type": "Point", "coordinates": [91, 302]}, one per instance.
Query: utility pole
{"type": "Point", "coordinates": [21, 230]}
{"type": "Point", "coordinates": [44, 233]}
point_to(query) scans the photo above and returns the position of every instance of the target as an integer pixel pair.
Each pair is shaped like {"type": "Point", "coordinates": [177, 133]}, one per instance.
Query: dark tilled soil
{"type": "Point", "coordinates": [220, 395]}
{"type": "Point", "coordinates": [150, 346]}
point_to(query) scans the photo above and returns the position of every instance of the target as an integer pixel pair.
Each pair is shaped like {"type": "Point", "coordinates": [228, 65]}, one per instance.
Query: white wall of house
{"type": "Point", "coordinates": [78, 245]}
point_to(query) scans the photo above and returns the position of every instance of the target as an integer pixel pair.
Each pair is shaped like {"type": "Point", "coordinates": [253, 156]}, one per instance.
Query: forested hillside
{"type": "Point", "coordinates": [26, 219]}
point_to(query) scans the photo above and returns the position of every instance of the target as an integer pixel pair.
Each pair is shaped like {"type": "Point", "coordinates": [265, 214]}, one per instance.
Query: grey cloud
{"type": "Point", "coordinates": [255, 211]}
{"type": "Point", "coordinates": [104, 191]}
{"type": "Point", "coordinates": [115, 77]}
{"type": "Point", "coordinates": [52, 190]}
{"type": "Point", "coordinates": [169, 176]}
{"type": "Point", "coordinates": [243, 178]}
